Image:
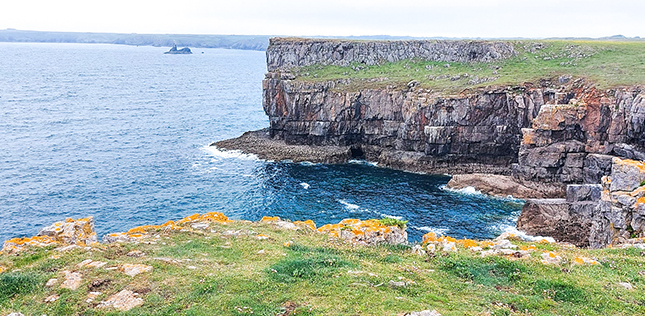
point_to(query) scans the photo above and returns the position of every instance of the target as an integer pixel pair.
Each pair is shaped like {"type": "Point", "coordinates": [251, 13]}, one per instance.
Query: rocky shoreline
{"type": "Point", "coordinates": [533, 140]}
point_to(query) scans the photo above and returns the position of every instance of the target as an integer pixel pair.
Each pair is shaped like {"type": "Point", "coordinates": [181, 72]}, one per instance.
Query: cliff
{"type": "Point", "coordinates": [287, 53]}
{"type": "Point", "coordinates": [392, 103]}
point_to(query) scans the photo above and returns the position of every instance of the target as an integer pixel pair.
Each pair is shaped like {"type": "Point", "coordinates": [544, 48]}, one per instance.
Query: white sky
{"type": "Point", "coordinates": [426, 18]}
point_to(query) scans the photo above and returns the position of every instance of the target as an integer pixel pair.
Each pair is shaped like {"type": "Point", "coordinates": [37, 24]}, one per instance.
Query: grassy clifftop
{"type": "Point", "coordinates": [245, 268]}
{"type": "Point", "coordinates": [608, 64]}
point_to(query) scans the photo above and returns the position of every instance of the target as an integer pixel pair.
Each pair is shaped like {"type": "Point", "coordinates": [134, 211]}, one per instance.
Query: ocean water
{"type": "Point", "coordinates": [121, 133]}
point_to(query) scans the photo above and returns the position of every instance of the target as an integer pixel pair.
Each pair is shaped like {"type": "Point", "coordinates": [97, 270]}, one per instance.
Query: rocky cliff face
{"type": "Point", "coordinates": [558, 131]}
{"type": "Point", "coordinates": [552, 132]}
{"type": "Point", "coordinates": [286, 53]}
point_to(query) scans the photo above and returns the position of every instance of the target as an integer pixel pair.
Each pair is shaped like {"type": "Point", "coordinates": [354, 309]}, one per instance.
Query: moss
{"type": "Point", "coordinates": [388, 221]}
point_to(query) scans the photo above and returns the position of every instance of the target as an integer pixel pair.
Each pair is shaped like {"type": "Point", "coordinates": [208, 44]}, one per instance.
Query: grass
{"type": "Point", "coordinates": [216, 274]}
{"type": "Point", "coordinates": [607, 64]}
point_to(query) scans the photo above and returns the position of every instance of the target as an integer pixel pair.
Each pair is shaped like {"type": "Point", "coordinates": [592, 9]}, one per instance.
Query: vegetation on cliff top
{"type": "Point", "coordinates": [229, 270]}
{"type": "Point", "coordinates": [608, 64]}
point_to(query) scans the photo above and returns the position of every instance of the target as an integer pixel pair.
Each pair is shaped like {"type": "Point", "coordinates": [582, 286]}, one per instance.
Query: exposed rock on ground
{"type": "Point", "coordinates": [122, 301]}
{"type": "Point", "coordinates": [70, 232]}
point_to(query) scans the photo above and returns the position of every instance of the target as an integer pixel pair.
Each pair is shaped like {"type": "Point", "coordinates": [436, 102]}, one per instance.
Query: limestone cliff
{"type": "Point", "coordinates": [286, 53]}
{"type": "Point", "coordinates": [559, 130]}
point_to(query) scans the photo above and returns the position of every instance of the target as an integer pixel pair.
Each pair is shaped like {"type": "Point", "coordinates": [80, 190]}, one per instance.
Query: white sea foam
{"type": "Point", "coordinates": [305, 185]}
{"type": "Point", "coordinates": [229, 154]}
{"type": "Point", "coordinates": [522, 235]}
{"type": "Point", "coordinates": [465, 190]}
{"type": "Point", "coordinates": [363, 162]}
{"type": "Point", "coordinates": [472, 191]}
{"type": "Point", "coordinates": [308, 163]}
{"type": "Point", "coordinates": [438, 231]}
{"type": "Point", "coordinates": [349, 206]}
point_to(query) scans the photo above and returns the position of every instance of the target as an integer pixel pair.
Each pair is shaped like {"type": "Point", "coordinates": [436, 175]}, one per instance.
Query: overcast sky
{"type": "Point", "coordinates": [424, 18]}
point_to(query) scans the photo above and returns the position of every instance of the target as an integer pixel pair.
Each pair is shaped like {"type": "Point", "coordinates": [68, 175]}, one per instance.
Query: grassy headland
{"type": "Point", "coordinates": [608, 64]}
{"type": "Point", "coordinates": [229, 270]}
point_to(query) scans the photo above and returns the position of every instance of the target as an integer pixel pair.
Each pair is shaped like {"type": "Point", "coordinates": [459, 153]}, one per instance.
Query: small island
{"type": "Point", "coordinates": [174, 50]}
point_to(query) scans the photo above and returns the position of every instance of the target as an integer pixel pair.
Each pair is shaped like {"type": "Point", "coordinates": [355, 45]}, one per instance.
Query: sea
{"type": "Point", "coordinates": [122, 133]}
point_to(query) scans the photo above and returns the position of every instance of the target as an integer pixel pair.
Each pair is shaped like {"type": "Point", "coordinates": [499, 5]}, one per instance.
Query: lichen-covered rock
{"type": "Point", "coordinates": [369, 232]}
{"type": "Point", "coordinates": [141, 233]}
{"type": "Point", "coordinates": [69, 232]}
{"type": "Point", "coordinates": [626, 174]}
{"type": "Point", "coordinates": [17, 244]}
{"type": "Point", "coordinates": [72, 232]}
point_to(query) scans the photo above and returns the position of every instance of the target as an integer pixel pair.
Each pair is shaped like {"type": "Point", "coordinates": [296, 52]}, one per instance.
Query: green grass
{"type": "Point", "coordinates": [607, 64]}
{"type": "Point", "coordinates": [217, 274]}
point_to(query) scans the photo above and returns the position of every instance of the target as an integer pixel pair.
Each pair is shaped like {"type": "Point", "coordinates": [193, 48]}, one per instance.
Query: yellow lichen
{"type": "Point", "coordinates": [308, 223]}
{"type": "Point", "coordinates": [270, 219]}
{"type": "Point", "coordinates": [467, 243]}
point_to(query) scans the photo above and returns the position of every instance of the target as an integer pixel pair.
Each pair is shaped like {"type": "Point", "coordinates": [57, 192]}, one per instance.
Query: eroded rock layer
{"type": "Point", "coordinates": [286, 53]}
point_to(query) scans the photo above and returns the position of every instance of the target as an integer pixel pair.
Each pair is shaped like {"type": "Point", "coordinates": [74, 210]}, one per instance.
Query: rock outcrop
{"type": "Point", "coordinates": [594, 215]}
{"type": "Point", "coordinates": [287, 53]}
{"type": "Point", "coordinates": [70, 232]}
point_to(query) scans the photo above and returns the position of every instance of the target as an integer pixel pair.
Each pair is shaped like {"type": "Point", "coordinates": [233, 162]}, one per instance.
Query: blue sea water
{"type": "Point", "coordinates": [121, 133]}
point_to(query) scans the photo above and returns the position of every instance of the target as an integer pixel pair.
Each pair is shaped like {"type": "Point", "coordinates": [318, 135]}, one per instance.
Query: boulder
{"type": "Point", "coordinates": [626, 174]}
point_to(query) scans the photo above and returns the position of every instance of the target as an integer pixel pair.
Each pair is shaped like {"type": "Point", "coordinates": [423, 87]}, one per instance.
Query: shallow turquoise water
{"type": "Point", "coordinates": [121, 133]}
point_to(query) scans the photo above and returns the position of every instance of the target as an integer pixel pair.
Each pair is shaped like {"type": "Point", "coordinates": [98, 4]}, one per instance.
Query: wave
{"type": "Point", "coordinates": [438, 231]}
{"type": "Point", "coordinates": [349, 206]}
{"type": "Point", "coordinates": [305, 185]}
{"type": "Point", "coordinates": [474, 192]}
{"type": "Point", "coordinates": [308, 163]}
{"type": "Point", "coordinates": [229, 154]}
{"type": "Point", "coordinates": [524, 236]}
{"type": "Point", "coordinates": [465, 190]}
{"type": "Point", "coordinates": [363, 162]}
{"type": "Point", "coordinates": [392, 216]}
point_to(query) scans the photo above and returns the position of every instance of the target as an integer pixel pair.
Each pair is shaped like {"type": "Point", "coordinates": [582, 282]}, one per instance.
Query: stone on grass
{"type": "Point", "coordinates": [91, 264]}
{"type": "Point", "coordinates": [424, 313]}
{"type": "Point", "coordinates": [51, 282]}
{"type": "Point", "coordinates": [16, 314]}
{"type": "Point", "coordinates": [135, 254]}
{"type": "Point", "coordinates": [72, 280]}
{"type": "Point", "coordinates": [550, 257]}
{"type": "Point", "coordinates": [123, 301]}
{"type": "Point", "coordinates": [418, 250]}
{"type": "Point", "coordinates": [134, 269]}
{"type": "Point", "coordinates": [52, 298]}
{"type": "Point", "coordinates": [626, 285]}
